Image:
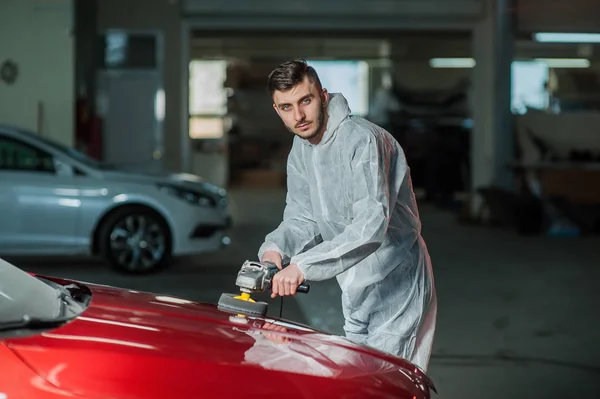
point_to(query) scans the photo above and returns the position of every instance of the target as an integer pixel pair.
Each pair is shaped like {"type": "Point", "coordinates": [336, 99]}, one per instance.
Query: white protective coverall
{"type": "Point", "coordinates": [351, 213]}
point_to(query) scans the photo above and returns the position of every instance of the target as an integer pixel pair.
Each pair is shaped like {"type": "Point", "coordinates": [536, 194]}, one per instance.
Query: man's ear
{"type": "Point", "coordinates": [324, 97]}
{"type": "Point", "coordinates": [276, 109]}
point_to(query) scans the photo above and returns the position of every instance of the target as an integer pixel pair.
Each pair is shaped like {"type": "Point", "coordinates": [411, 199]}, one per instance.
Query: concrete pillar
{"type": "Point", "coordinates": [86, 50]}
{"type": "Point", "coordinates": [491, 140]}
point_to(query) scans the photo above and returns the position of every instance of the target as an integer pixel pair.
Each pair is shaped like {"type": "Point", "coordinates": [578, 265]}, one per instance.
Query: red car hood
{"type": "Point", "coordinates": [130, 344]}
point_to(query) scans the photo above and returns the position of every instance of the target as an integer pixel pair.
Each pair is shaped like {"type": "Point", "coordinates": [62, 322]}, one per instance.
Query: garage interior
{"type": "Point", "coordinates": [506, 168]}
{"type": "Point", "coordinates": [257, 144]}
{"type": "Point", "coordinates": [238, 141]}
{"type": "Point", "coordinates": [500, 314]}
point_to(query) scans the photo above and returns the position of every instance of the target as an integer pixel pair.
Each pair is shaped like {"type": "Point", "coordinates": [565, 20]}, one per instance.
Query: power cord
{"type": "Point", "coordinates": [281, 308]}
{"type": "Point", "coordinates": [283, 266]}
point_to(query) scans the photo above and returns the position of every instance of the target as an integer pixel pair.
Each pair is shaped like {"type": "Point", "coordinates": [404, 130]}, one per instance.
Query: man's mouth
{"type": "Point", "coordinates": [304, 126]}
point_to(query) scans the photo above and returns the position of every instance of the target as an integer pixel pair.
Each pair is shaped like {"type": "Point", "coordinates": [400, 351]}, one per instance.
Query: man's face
{"type": "Point", "coordinates": [302, 109]}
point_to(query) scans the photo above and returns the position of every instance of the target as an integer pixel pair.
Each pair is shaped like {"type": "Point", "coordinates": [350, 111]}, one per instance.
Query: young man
{"type": "Point", "coordinates": [351, 214]}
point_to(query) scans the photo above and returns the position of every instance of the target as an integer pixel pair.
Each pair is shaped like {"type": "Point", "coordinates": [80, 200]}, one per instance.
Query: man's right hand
{"type": "Point", "coordinates": [273, 257]}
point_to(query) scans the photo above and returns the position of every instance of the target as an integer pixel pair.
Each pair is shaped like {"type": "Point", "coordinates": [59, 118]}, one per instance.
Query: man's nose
{"type": "Point", "coordinates": [298, 115]}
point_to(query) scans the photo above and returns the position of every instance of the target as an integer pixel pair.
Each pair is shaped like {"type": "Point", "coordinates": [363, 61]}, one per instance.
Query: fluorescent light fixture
{"type": "Point", "coordinates": [159, 105]}
{"type": "Point", "coordinates": [452, 62]}
{"type": "Point", "coordinates": [565, 62]}
{"type": "Point", "coordinates": [567, 37]}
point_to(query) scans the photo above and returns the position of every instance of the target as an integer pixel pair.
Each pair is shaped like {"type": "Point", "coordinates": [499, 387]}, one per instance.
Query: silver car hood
{"type": "Point", "coordinates": [182, 179]}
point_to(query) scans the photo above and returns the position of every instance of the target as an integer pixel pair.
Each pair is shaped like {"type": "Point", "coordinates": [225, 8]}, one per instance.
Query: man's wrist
{"type": "Point", "coordinates": [269, 246]}
{"type": "Point", "coordinates": [301, 267]}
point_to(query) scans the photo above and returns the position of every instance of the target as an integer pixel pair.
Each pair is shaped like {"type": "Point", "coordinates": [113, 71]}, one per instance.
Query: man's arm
{"type": "Point", "coordinates": [374, 197]}
{"type": "Point", "coordinates": [298, 231]}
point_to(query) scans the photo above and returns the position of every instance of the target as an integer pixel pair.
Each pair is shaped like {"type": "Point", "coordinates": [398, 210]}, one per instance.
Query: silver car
{"type": "Point", "coordinates": [55, 200]}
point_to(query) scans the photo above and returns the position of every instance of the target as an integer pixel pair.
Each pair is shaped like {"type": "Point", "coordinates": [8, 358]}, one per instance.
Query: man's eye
{"type": "Point", "coordinates": [285, 107]}
{"type": "Point", "coordinates": [306, 100]}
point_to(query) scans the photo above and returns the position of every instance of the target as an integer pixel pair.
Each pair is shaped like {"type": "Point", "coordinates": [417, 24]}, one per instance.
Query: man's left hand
{"type": "Point", "coordinates": [287, 281]}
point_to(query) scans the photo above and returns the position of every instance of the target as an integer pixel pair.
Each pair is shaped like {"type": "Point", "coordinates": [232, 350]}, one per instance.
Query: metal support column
{"type": "Point", "coordinates": [492, 136]}
{"type": "Point", "coordinates": [505, 18]}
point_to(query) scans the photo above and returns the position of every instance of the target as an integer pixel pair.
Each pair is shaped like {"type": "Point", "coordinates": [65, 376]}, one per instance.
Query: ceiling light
{"type": "Point", "coordinates": [452, 62]}
{"type": "Point", "coordinates": [567, 37]}
{"type": "Point", "coordinates": [565, 62]}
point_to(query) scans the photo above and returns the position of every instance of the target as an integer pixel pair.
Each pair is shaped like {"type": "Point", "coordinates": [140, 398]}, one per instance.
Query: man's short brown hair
{"type": "Point", "coordinates": [290, 74]}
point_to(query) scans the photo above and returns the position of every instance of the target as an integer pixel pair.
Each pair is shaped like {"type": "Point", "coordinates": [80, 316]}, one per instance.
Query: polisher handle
{"type": "Point", "coordinates": [303, 288]}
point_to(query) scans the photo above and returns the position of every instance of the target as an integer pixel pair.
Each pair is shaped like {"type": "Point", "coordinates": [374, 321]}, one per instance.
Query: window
{"type": "Point", "coordinates": [206, 127]}
{"type": "Point", "coordinates": [208, 94]}
{"type": "Point", "coordinates": [351, 78]}
{"type": "Point", "coordinates": [208, 99]}
{"type": "Point", "coordinates": [123, 50]}
{"type": "Point", "coordinates": [18, 156]}
{"type": "Point", "coordinates": [528, 86]}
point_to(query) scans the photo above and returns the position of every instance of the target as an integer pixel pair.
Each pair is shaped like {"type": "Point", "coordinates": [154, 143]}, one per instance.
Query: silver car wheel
{"type": "Point", "coordinates": [137, 242]}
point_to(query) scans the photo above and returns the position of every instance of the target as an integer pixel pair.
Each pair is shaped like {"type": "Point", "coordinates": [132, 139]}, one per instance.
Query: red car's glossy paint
{"type": "Point", "coordinates": [132, 345]}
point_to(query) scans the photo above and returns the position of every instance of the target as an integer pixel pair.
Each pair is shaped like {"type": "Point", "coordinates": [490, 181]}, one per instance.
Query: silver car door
{"type": "Point", "coordinates": [43, 204]}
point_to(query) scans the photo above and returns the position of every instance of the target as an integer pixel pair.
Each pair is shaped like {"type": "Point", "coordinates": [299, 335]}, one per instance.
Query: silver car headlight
{"type": "Point", "coordinates": [220, 191]}
{"type": "Point", "coordinates": [190, 196]}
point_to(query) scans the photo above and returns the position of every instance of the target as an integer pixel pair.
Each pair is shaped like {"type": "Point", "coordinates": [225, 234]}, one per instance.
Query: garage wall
{"type": "Point", "coordinates": [162, 15]}
{"type": "Point", "coordinates": [420, 76]}
{"type": "Point", "coordinates": [334, 15]}
{"type": "Point", "coordinates": [43, 49]}
{"type": "Point", "coordinates": [398, 8]}
{"type": "Point", "coordinates": [559, 16]}
{"type": "Point", "coordinates": [410, 54]}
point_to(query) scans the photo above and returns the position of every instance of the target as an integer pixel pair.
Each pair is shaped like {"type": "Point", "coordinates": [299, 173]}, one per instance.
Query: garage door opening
{"type": "Point", "coordinates": [236, 137]}
{"type": "Point", "coordinates": [350, 77]}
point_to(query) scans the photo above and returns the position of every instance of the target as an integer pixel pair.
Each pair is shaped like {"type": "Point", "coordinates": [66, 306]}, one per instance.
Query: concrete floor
{"type": "Point", "coordinates": [515, 318]}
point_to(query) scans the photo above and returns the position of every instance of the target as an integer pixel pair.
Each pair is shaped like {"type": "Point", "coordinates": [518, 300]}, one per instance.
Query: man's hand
{"type": "Point", "coordinates": [273, 257]}
{"type": "Point", "coordinates": [287, 281]}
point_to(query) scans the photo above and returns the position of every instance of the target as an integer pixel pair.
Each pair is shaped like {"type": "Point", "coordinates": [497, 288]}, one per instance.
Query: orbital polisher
{"type": "Point", "coordinates": [253, 277]}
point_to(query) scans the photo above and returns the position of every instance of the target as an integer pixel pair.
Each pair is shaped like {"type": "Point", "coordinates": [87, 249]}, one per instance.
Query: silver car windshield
{"type": "Point", "coordinates": [72, 152]}
{"type": "Point", "coordinates": [22, 295]}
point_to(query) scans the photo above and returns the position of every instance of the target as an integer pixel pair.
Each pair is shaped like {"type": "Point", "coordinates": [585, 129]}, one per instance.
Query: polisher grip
{"type": "Point", "coordinates": [303, 288]}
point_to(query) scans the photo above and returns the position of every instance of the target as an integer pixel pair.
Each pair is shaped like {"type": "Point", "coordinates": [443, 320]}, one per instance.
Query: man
{"type": "Point", "coordinates": [351, 214]}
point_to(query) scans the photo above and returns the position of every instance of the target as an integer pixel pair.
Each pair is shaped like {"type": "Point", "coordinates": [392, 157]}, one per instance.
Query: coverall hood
{"type": "Point", "coordinates": [337, 110]}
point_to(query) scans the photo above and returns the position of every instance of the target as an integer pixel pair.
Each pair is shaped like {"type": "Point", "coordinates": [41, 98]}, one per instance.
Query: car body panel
{"type": "Point", "coordinates": [131, 345]}
{"type": "Point", "coordinates": [58, 211]}
{"type": "Point", "coordinates": [18, 380]}
{"type": "Point", "coordinates": [42, 210]}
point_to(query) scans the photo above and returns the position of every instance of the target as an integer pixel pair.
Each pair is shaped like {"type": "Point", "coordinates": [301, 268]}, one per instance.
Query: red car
{"type": "Point", "coordinates": [67, 339]}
